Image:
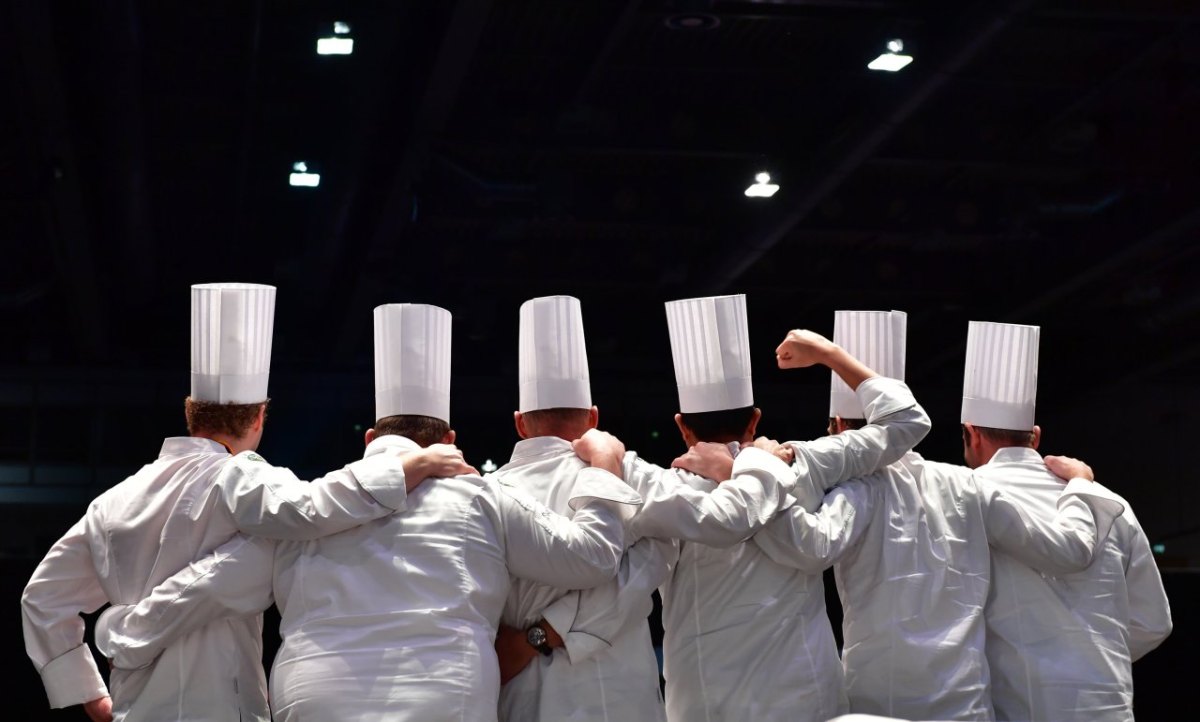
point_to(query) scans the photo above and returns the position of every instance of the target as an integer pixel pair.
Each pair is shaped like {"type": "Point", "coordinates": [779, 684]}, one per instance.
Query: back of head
{"type": "Point", "coordinates": [721, 426]}
{"type": "Point", "coordinates": [214, 418]}
{"type": "Point", "coordinates": [424, 430]}
{"type": "Point", "coordinates": [565, 423]}
{"type": "Point", "coordinates": [1005, 438]}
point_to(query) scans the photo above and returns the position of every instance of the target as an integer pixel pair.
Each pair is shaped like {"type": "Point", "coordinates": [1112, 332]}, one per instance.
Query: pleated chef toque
{"type": "Point", "coordinates": [710, 345]}
{"type": "Point", "coordinates": [1000, 381]}
{"type": "Point", "coordinates": [877, 339]}
{"type": "Point", "coordinates": [552, 362]}
{"type": "Point", "coordinates": [412, 361]}
{"type": "Point", "coordinates": [231, 341]}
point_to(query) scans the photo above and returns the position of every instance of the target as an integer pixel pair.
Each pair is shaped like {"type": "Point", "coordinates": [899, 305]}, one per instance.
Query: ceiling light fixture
{"type": "Point", "coordinates": [763, 187]}
{"type": "Point", "coordinates": [892, 60]}
{"type": "Point", "coordinates": [301, 178]}
{"type": "Point", "coordinates": [340, 44]}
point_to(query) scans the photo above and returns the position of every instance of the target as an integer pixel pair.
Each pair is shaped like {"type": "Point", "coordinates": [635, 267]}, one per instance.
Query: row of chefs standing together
{"type": "Point", "coordinates": [410, 588]}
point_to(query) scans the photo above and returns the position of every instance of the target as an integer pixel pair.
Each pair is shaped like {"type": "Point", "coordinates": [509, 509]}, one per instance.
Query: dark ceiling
{"type": "Point", "coordinates": [1037, 163]}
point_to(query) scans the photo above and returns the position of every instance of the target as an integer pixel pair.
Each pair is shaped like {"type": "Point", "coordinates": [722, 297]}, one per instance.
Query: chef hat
{"type": "Point", "coordinates": [231, 341]}
{"type": "Point", "coordinates": [553, 365]}
{"type": "Point", "coordinates": [877, 339]}
{"type": "Point", "coordinates": [1000, 383]}
{"type": "Point", "coordinates": [710, 345]}
{"type": "Point", "coordinates": [412, 361]}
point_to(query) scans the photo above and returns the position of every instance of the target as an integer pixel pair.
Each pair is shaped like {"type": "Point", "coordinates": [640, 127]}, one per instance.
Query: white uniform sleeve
{"type": "Point", "coordinates": [270, 501]}
{"type": "Point", "coordinates": [896, 423]}
{"type": "Point", "coordinates": [1149, 610]}
{"type": "Point", "coordinates": [577, 553]}
{"type": "Point", "coordinates": [814, 541]}
{"type": "Point", "coordinates": [735, 509]}
{"type": "Point", "coordinates": [64, 585]}
{"type": "Point", "coordinates": [590, 619]}
{"type": "Point", "coordinates": [233, 581]}
{"type": "Point", "coordinates": [1063, 545]}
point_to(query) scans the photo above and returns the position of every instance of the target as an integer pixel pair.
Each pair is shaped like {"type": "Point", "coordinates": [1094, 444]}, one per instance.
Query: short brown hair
{"type": "Point", "coordinates": [1003, 437]}
{"type": "Point", "coordinates": [215, 417]}
{"type": "Point", "coordinates": [424, 430]}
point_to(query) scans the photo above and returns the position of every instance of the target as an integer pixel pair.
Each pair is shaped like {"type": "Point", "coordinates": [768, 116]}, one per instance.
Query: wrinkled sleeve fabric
{"type": "Point", "coordinates": [814, 541]}
{"type": "Point", "coordinates": [64, 585]}
{"type": "Point", "coordinates": [1066, 544]}
{"type": "Point", "coordinates": [589, 620]}
{"type": "Point", "coordinates": [1149, 611]}
{"type": "Point", "coordinates": [270, 501]}
{"type": "Point", "coordinates": [232, 581]}
{"type": "Point", "coordinates": [722, 517]}
{"type": "Point", "coordinates": [577, 553]}
{"type": "Point", "coordinates": [895, 424]}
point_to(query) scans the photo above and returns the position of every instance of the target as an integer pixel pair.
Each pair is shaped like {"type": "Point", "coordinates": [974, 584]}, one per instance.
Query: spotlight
{"type": "Point", "coordinates": [301, 178]}
{"type": "Point", "coordinates": [892, 60]}
{"type": "Point", "coordinates": [763, 187]}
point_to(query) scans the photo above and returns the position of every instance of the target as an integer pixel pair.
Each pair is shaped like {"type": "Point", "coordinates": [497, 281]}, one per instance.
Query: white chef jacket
{"type": "Point", "coordinates": [910, 544]}
{"type": "Point", "coordinates": [607, 669]}
{"type": "Point", "coordinates": [174, 510]}
{"type": "Point", "coordinates": [748, 638]}
{"type": "Point", "coordinates": [395, 619]}
{"type": "Point", "coordinates": [1061, 646]}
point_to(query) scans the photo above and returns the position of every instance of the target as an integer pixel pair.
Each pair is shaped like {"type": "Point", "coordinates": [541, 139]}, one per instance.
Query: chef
{"type": "Point", "coordinates": [1060, 647]}
{"type": "Point", "coordinates": [583, 655]}
{"type": "Point", "coordinates": [201, 490]}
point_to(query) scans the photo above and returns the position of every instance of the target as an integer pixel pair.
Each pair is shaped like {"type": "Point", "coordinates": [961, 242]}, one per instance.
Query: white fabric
{"type": "Point", "coordinates": [552, 364]}
{"type": "Point", "coordinates": [747, 637]}
{"type": "Point", "coordinates": [877, 338]}
{"type": "Point", "coordinates": [606, 669]}
{"type": "Point", "coordinates": [1000, 380]}
{"type": "Point", "coordinates": [133, 536]}
{"type": "Point", "coordinates": [412, 361]}
{"type": "Point", "coordinates": [232, 324]}
{"type": "Point", "coordinates": [1061, 646]}
{"type": "Point", "coordinates": [710, 346]}
{"type": "Point", "coordinates": [910, 548]}
{"type": "Point", "coordinates": [395, 619]}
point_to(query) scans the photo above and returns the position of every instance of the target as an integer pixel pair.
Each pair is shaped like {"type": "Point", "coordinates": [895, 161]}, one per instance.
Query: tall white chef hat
{"type": "Point", "coordinates": [412, 361]}
{"type": "Point", "coordinates": [877, 339]}
{"type": "Point", "coordinates": [710, 345]}
{"type": "Point", "coordinates": [231, 341]}
{"type": "Point", "coordinates": [552, 361]}
{"type": "Point", "coordinates": [1000, 383]}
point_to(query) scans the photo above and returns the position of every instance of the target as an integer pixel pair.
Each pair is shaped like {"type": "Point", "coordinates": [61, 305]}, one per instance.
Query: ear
{"type": "Point", "coordinates": [369, 436]}
{"type": "Point", "coordinates": [839, 424]}
{"type": "Point", "coordinates": [684, 431]}
{"type": "Point", "coordinates": [260, 419]}
{"type": "Point", "coordinates": [753, 425]}
{"type": "Point", "coordinates": [1037, 436]}
{"type": "Point", "coordinates": [449, 437]}
{"type": "Point", "coordinates": [519, 424]}
{"type": "Point", "coordinates": [594, 418]}
{"type": "Point", "coordinates": [971, 437]}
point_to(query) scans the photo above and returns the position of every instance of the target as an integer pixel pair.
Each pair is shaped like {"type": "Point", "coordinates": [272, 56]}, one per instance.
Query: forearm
{"type": "Point", "coordinates": [63, 585]}
{"type": "Point", "coordinates": [722, 517]}
{"type": "Point", "coordinates": [272, 502]}
{"type": "Point", "coordinates": [1064, 544]}
{"type": "Point", "coordinates": [814, 541]}
{"type": "Point", "coordinates": [233, 581]}
{"type": "Point", "coordinates": [588, 621]}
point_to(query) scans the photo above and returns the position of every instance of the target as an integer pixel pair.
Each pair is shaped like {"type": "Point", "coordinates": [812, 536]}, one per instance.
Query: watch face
{"type": "Point", "coordinates": [536, 636]}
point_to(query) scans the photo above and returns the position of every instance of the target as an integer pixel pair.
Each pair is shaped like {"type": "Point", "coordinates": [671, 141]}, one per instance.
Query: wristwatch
{"type": "Point", "coordinates": [536, 636]}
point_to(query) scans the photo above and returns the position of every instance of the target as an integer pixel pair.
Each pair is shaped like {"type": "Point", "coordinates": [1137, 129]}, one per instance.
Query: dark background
{"type": "Point", "coordinates": [1037, 163]}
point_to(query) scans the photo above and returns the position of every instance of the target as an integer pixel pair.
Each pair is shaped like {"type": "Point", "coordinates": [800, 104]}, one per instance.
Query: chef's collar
{"type": "Point", "coordinates": [182, 445]}
{"type": "Point", "coordinates": [1016, 455]}
{"type": "Point", "coordinates": [537, 448]}
{"type": "Point", "coordinates": [390, 441]}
